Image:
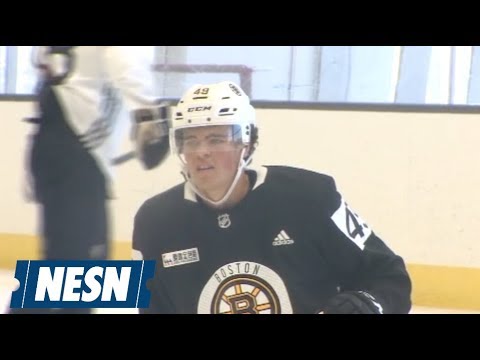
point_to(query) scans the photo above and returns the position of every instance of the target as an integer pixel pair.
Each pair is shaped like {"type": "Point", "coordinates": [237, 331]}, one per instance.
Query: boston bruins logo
{"type": "Point", "coordinates": [245, 295]}
{"type": "Point", "coordinates": [244, 287]}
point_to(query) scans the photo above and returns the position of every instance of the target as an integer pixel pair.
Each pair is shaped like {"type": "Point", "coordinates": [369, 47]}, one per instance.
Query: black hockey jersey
{"type": "Point", "coordinates": [290, 245]}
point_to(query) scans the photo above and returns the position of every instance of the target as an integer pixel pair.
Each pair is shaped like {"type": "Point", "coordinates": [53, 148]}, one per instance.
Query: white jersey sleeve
{"type": "Point", "coordinates": [131, 77]}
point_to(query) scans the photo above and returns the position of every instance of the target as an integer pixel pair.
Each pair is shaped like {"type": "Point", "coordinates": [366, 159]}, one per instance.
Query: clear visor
{"type": "Point", "coordinates": [206, 139]}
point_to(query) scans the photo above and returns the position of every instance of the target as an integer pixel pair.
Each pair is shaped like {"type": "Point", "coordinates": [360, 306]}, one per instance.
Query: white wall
{"type": "Point", "coordinates": [414, 177]}
{"type": "Point", "coordinates": [16, 216]}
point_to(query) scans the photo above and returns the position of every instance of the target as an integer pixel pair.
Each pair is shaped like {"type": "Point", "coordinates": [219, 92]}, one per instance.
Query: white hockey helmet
{"type": "Point", "coordinates": [222, 103]}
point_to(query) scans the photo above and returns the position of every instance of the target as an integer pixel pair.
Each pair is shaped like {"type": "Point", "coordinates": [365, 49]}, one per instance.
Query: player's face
{"type": "Point", "coordinates": [212, 156]}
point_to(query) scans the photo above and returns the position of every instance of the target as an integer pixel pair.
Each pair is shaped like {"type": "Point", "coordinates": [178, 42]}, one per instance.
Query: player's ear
{"type": "Point", "coordinates": [248, 151]}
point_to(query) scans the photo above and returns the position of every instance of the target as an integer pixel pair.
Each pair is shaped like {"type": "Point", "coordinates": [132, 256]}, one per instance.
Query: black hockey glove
{"type": "Point", "coordinates": [353, 302]}
{"type": "Point", "coordinates": [150, 134]}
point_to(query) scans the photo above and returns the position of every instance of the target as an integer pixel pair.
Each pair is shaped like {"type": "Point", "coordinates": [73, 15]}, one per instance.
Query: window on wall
{"type": "Point", "coordinates": [3, 68]}
{"type": "Point", "coordinates": [26, 74]}
{"type": "Point", "coordinates": [328, 74]}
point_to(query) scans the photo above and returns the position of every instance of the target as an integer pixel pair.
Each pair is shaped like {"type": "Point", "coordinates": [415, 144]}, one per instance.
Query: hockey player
{"type": "Point", "coordinates": [80, 90]}
{"type": "Point", "coordinates": [273, 240]}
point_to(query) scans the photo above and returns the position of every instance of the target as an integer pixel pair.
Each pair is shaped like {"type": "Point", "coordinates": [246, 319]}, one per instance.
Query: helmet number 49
{"type": "Point", "coordinates": [202, 91]}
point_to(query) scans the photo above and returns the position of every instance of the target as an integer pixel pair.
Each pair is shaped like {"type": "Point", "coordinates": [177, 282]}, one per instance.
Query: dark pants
{"type": "Point", "coordinates": [72, 192]}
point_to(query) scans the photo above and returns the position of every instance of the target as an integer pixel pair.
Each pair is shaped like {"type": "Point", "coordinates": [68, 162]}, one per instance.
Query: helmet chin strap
{"type": "Point", "coordinates": [242, 164]}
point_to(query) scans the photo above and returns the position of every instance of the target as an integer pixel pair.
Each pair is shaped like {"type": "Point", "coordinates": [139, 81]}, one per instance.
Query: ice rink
{"type": "Point", "coordinates": [8, 284]}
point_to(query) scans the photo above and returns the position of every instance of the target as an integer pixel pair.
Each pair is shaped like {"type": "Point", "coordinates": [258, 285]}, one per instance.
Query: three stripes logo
{"type": "Point", "coordinates": [282, 239]}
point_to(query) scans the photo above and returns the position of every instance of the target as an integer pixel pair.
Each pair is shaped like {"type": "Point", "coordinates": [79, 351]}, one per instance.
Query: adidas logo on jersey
{"type": "Point", "coordinates": [282, 239]}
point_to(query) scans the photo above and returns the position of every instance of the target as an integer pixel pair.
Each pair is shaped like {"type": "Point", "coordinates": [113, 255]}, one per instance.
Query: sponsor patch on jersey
{"type": "Point", "coordinates": [181, 257]}
{"type": "Point", "coordinates": [351, 224]}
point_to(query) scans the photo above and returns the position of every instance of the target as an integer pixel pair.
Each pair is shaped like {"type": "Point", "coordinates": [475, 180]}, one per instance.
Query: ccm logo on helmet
{"type": "Point", "coordinates": [199, 108]}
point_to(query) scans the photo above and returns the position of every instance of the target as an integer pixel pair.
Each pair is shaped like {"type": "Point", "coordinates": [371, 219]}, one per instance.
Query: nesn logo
{"type": "Point", "coordinates": [82, 284]}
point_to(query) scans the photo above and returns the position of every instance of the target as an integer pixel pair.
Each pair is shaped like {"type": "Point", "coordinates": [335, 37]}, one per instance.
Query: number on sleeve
{"type": "Point", "coordinates": [352, 225]}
